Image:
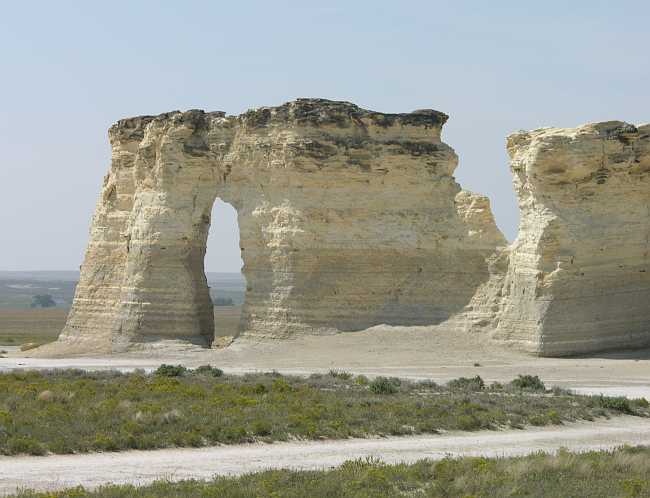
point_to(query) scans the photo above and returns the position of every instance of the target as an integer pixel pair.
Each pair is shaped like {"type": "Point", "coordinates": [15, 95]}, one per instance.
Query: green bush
{"type": "Point", "coordinates": [209, 370]}
{"type": "Point", "coordinates": [25, 444]}
{"type": "Point", "coordinates": [642, 402]}
{"type": "Point", "coordinates": [466, 384]}
{"type": "Point", "coordinates": [538, 420]}
{"type": "Point", "coordinates": [468, 423]}
{"type": "Point", "coordinates": [170, 370]}
{"type": "Point", "coordinates": [340, 374]}
{"type": "Point", "coordinates": [619, 404]}
{"type": "Point", "coordinates": [262, 428]}
{"type": "Point", "coordinates": [362, 380]}
{"type": "Point", "coordinates": [384, 385]}
{"type": "Point", "coordinates": [554, 417]}
{"type": "Point", "coordinates": [528, 383]}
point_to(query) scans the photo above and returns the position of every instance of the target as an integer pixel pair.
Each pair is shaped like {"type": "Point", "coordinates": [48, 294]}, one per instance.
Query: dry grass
{"type": "Point", "coordinates": [226, 320]}
{"type": "Point", "coordinates": [39, 326]}
{"type": "Point", "coordinates": [19, 326]}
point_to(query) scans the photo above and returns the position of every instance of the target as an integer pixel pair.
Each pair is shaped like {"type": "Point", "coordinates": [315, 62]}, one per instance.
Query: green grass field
{"type": "Point", "coordinates": [621, 473]}
{"type": "Point", "coordinates": [74, 411]}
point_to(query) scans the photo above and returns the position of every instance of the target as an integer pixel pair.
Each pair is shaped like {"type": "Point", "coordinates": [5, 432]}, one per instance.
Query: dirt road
{"type": "Point", "coordinates": [140, 467]}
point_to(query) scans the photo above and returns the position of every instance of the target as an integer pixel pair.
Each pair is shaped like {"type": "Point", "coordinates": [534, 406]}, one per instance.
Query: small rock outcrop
{"type": "Point", "coordinates": [348, 218]}
{"type": "Point", "coordinates": [578, 275]}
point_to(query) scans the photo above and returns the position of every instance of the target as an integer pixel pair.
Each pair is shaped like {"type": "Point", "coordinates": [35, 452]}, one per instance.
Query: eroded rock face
{"type": "Point", "coordinates": [348, 218]}
{"type": "Point", "coordinates": [351, 218]}
{"type": "Point", "coordinates": [578, 275]}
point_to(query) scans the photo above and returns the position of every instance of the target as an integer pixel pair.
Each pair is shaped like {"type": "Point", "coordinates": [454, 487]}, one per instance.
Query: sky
{"type": "Point", "coordinates": [71, 69]}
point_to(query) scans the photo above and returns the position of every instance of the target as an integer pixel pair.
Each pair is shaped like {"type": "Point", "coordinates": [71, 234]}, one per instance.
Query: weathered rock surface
{"type": "Point", "coordinates": [352, 218]}
{"type": "Point", "coordinates": [348, 218]}
{"type": "Point", "coordinates": [578, 275]}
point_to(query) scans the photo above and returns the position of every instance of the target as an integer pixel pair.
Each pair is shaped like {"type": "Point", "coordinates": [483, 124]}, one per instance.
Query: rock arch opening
{"type": "Point", "coordinates": [223, 265]}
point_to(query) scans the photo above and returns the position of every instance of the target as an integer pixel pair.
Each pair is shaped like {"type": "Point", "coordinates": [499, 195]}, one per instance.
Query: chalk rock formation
{"type": "Point", "coordinates": [578, 275]}
{"type": "Point", "coordinates": [348, 218]}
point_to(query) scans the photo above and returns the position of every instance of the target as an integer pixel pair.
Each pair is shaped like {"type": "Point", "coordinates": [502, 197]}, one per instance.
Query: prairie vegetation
{"type": "Point", "coordinates": [621, 473]}
{"type": "Point", "coordinates": [21, 323]}
{"type": "Point", "coordinates": [19, 326]}
{"type": "Point", "coordinates": [42, 325]}
{"type": "Point", "coordinates": [74, 411]}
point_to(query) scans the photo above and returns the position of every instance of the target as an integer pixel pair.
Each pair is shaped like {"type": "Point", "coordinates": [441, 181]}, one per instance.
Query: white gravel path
{"type": "Point", "coordinates": [141, 467]}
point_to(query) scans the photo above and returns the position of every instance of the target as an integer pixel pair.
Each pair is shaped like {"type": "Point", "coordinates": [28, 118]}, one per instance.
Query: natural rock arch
{"type": "Point", "coordinates": [348, 218]}
{"type": "Point", "coordinates": [351, 218]}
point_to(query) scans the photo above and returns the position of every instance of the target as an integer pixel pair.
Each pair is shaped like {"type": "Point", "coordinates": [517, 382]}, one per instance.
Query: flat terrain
{"type": "Point", "coordinates": [226, 320]}
{"type": "Point", "coordinates": [140, 467]}
{"type": "Point", "coordinates": [437, 353]}
{"type": "Point", "coordinates": [19, 323]}
{"type": "Point", "coordinates": [18, 326]}
{"type": "Point", "coordinates": [71, 411]}
{"type": "Point", "coordinates": [18, 288]}
{"type": "Point", "coordinates": [407, 352]}
{"type": "Point", "coordinates": [43, 325]}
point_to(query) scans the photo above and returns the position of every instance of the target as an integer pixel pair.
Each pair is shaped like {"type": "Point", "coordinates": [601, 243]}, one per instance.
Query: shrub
{"type": "Point", "coordinates": [538, 420]}
{"type": "Point", "coordinates": [104, 442]}
{"type": "Point", "coordinates": [642, 402]}
{"type": "Point", "coordinates": [362, 380]}
{"type": "Point", "coordinates": [281, 386]}
{"type": "Point", "coordinates": [619, 404]}
{"type": "Point", "coordinates": [25, 444]}
{"type": "Point", "coordinates": [427, 384]}
{"type": "Point", "coordinates": [554, 417]}
{"type": "Point", "coordinates": [340, 374]}
{"type": "Point", "coordinates": [262, 428]}
{"type": "Point", "coordinates": [209, 370]}
{"type": "Point", "coordinates": [384, 385]}
{"type": "Point", "coordinates": [468, 423]}
{"type": "Point", "coordinates": [170, 370]}
{"type": "Point", "coordinates": [528, 383]}
{"type": "Point", "coordinates": [466, 384]}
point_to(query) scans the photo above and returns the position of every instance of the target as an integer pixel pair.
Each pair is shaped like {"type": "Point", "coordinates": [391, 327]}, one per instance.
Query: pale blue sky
{"type": "Point", "coordinates": [70, 69]}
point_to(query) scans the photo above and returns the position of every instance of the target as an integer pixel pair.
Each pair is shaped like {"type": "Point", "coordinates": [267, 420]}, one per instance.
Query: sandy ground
{"type": "Point", "coordinates": [140, 467]}
{"type": "Point", "coordinates": [408, 352]}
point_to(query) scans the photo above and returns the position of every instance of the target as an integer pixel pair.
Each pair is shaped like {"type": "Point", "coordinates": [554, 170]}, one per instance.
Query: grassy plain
{"type": "Point", "coordinates": [226, 320]}
{"type": "Point", "coordinates": [621, 473]}
{"type": "Point", "coordinates": [19, 326]}
{"type": "Point", "coordinates": [74, 411]}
